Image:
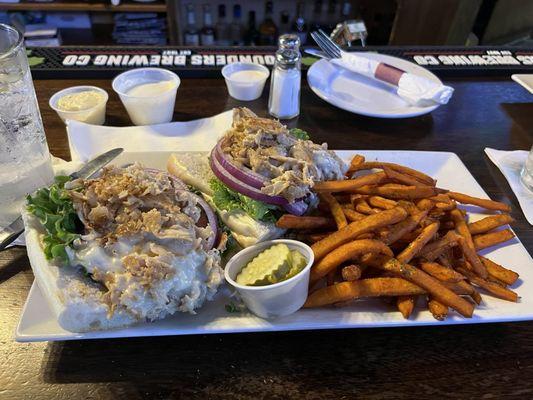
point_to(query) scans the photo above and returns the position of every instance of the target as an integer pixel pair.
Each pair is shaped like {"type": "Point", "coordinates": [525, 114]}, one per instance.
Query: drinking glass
{"type": "Point", "coordinates": [526, 176]}
{"type": "Point", "coordinates": [25, 163]}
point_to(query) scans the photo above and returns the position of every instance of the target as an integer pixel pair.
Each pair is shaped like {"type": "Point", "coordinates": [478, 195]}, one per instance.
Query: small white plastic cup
{"type": "Point", "coordinates": [94, 115]}
{"type": "Point", "coordinates": [245, 90]}
{"type": "Point", "coordinates": [276, 300]}
{"type": "Point", "coordinates": [147, 110]}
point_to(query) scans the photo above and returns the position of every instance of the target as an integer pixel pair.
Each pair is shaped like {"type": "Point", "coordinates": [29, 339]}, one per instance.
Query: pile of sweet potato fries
{"type": "Point", "coordinates": [393, 233]}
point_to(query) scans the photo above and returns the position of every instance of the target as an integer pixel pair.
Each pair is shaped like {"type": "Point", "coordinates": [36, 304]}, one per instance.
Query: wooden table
{"type": "Point", "coordinates": [489, 361]}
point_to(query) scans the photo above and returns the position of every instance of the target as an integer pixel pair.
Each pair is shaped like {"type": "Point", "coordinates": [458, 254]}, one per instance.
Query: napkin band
{"type": "Point", "coordinates": [388, 73]}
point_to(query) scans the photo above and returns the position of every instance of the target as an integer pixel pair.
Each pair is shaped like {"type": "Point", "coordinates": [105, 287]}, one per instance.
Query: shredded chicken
{"type": "Point", "coordinates": [142, 242]}
{"type": "Point", "coordinates": [291, 165]}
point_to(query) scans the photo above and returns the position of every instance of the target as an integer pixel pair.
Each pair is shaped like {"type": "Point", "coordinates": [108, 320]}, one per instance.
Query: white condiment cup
{"type": "Point", "coordinates": [245, 90]}
{"type": "Point", "coordinates": [94, 115]}
{"type": "Point", "coordinates": [276, 300]}
{"type": "Point", "coordinates": [147, 110]}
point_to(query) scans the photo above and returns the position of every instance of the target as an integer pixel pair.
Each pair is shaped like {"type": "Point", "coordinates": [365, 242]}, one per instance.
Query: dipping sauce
{"type": "Point", "coordinates": [248, 76]}
{"type": "Point", "coordinates": [151, 89]}
{"type": "Point", "coordinates": [80, 101]}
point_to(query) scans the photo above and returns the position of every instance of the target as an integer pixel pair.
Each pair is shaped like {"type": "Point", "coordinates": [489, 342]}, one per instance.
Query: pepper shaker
{"type": "Point", "coordinates": [284, 100]}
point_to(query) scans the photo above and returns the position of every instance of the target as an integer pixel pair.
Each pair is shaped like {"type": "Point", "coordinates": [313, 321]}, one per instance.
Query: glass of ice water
{"type": "Point", "coordinates": [25, 163]}
{"type": "Point", "coordinates": [526, 176]}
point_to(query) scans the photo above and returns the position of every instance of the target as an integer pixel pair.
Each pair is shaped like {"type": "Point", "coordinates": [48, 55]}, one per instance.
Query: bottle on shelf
{"type": "Point", "coordinates": [251, 38]}
{"type": "Point", "coordinates": [268, 31]}
{"type": "Point", "coordinates": [315, 21]}
{"type": "Point", "coordinates": [207, 33]}
{"type": "Point", "coordinates": [299, 26]}
{"type": "Point", "coordinates": [346, 10]}
{"type": "Point", "coordinates": [222, 27]}
{"type": "Point", "coordinates": [236, 26]}
{"type": "Point", "coordinates": [284, 25]}
{"type": "Point", "coordinates": [332, 16]}
{"type": "Point", "coordinates": [191, 36]}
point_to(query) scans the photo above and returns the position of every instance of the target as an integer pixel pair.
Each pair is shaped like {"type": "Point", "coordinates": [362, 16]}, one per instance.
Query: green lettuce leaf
{"type": "Point", "coordinates": [54, 209]}
{"type": "Point", "coordinates": [299, 133]}
{"type": "Point", "coordinates": [227, 199]}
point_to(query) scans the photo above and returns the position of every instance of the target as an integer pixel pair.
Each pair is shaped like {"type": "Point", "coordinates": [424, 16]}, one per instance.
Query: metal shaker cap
{"type": "Point", "coordinates": [289, 41]}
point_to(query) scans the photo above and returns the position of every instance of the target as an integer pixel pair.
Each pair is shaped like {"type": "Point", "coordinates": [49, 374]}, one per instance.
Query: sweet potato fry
{"type": "Point", "coordinates": [467, 244]}
{"type": "Point", "coordinates": [437, 309]}
{"type": "Point", "coordinates": [289, 221]}
{"type": "Point", "coordinates": [493, 288]}
{"type": "Point", "coordinates": [483, 203]}
{"type": "Point", "coordinates": [402, 228]}
{"type": "Point", "coordinates": [381, 202]}
{"type": "Point", "coordinates": [397, 192]}
{"type": "Point", "coordinates": [409, 206]}
{"type": "Point", "coordinates": [497, 271]}
{"type": "Point", "coordinates": [363, 207]}
{"type": "Point", "coordinates": [352, 272]}
{"type": "Point", "coordinates": [441, 272]}
{"type": "Point", "coordinates": [492, 238]}
{"type": "Point", "coordinates": [432, 285]}
{"type": "Point", "coordinates": [441, 198]}
{"type": "Point", "coordinates": [348, 185]}
{"type": "Point", "coordinates": [357, 160]}
{"type": "Point", "coordinates": [344, 253]}
{"type": "Point", "coordinates": [335, 208]}
{"type": "Point", "coordinates": [425, 204]}
{"type": "Point", "coordinates": [416, 245]}
{"type": "Point", "coordinates": [354, 229]}
{"type": "Point", "coordinates": [405, 305]}
{"type": "Point", "coordinates": [400, 168]}
{"type": "Point", "coordinates": [434, 249]}
{"type": "Point", "coordinates": [402, 178]}
{"type": "Point", "coordinates": [352, 215]}
{"type": "Point", "coordinates": [489, 223]}
{"type": "Point", "coordinates": [373, 287]}
{"type": "Point", "coordinates": [445, 206]}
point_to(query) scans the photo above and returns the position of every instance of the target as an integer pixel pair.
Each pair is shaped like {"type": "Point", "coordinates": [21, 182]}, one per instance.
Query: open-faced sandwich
{"type": "Point", "coordinates": [258, 171]}
{"type": "Point", "coordinates": [133, 244]}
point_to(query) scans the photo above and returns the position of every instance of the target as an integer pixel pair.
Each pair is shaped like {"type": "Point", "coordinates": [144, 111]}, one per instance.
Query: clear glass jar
{"type": "Point", "coordinates": [285, 82]}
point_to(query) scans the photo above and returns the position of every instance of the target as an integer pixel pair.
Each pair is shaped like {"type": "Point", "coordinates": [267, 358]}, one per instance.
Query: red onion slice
{"type": "Point", "coordinates": [233, 183]}
{"type": "Point", "coordinates": [242, 173]}
{"type": "Point", "coordinates": [297, 208]}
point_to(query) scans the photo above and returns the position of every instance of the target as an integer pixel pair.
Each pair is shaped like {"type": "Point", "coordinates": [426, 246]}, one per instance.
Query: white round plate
{"type": "Point", "coordinates": [361, 95]}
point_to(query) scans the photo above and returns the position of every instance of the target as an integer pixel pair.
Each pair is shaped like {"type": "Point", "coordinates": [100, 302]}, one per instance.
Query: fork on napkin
{"type": "Point", "coordinates": [416, 90]}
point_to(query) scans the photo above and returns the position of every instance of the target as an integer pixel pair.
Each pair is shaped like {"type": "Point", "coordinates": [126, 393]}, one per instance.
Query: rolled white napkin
{"type": "Point", "coordinates": [416, 90]}
{"type": "Point", "coordinates": [510, 163]}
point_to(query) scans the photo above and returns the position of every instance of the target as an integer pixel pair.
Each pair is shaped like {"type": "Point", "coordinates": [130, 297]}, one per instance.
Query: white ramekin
{"type": "Point", "coordinates": [147, 110]}
{"type": "Point", "coordinates": [244, 91]}
{"type": "Point", "coordinates": [94, 115]}
{"type": "Point", "coordinates": [276, 300]}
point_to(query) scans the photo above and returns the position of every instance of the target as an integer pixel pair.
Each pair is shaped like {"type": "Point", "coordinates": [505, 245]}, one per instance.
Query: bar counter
{"type": "Point", "coordinates": [464, 361]}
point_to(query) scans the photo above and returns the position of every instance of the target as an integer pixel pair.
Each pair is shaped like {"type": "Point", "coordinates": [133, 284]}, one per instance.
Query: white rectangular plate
{"type": "Point", "coordinates": [38, 323]}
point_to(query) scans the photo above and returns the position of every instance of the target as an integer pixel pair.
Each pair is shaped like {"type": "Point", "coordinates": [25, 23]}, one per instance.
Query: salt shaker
{"type": "Point", "coordinates": [284, 100]}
